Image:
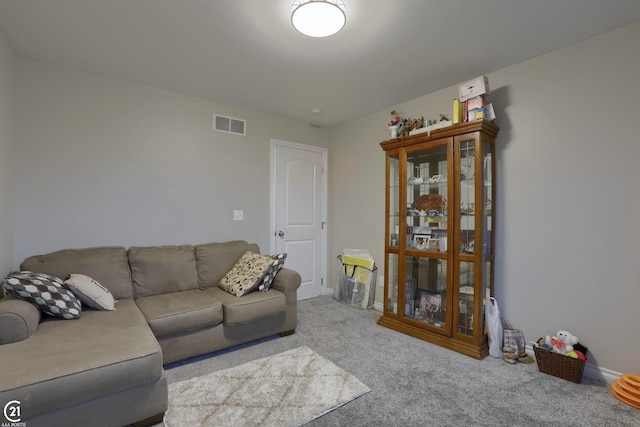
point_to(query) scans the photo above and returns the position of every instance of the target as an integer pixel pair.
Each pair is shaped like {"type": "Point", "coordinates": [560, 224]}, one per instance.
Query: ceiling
{"type": "Point", "coordinates": [246, 52]}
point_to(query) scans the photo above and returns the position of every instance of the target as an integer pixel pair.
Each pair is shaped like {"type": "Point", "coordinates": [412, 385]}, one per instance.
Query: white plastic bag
{"type": "Point", "coordinates": [494, 325]}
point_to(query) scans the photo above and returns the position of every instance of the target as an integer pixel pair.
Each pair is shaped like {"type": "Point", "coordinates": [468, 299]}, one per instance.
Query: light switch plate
{"type": "Point", "coordinates": [238, 215]}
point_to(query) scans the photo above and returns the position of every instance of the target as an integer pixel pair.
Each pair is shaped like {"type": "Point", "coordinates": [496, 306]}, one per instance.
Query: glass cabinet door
{"type": "Point", "coordinates": [425, 263]}
{"type": "Point", "coordinates": [467, 197]}
{"type": "Point", "coordinates": [488, 194]}
{"type": "Point", "coordinates": [467, 226]}
{"type": "Point", "coordinates": [425, 287]}
{"type": "Point", "coordinates": [392, 283]}
{"type": "Point", "coordinates": [475, 221]}
{"type": "Point", "coordinates": [393, 233]}
{"type": "Point", "coordinates": [393, 208]}
{"type": "Point", "coordinates": [426, 210]}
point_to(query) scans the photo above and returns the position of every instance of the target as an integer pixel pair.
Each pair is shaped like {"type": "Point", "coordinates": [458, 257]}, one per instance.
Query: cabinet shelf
{"type": "Point", "coordinates": [425, 253]}
{"type": "Point", "coordinates": [439, 259]}
{"type": "Point", "coordinates": [428, 184]}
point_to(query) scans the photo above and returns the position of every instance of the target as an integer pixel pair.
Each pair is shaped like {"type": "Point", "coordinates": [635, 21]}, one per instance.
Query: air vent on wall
{"type": "Point", "coordinates": [229, 125]}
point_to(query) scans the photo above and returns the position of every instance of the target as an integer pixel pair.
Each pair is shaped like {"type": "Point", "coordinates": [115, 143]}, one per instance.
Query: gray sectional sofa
{"type": "Point", "coordinates": [106, 368]}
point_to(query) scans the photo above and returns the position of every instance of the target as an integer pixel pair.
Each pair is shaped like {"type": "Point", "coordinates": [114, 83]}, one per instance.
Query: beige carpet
{"type": "Point", "coordinates": [287, 389]}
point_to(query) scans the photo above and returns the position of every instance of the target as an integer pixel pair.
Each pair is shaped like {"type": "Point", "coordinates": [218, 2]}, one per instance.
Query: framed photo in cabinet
{"type": "Point", "coordinates": [430, 306]}
{"type": "Point", "coordinates": [421, 241]}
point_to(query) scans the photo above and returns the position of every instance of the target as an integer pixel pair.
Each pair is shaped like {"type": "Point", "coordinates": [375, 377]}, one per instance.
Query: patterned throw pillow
{"type": "Point", "coordinates": [90, 292]}
{"type": "Point", "coordinates": [246, 274]}
{"type": "Point", "coordinates": [45, 292]}
{"type": "Point", "coordinates": [267, 279]}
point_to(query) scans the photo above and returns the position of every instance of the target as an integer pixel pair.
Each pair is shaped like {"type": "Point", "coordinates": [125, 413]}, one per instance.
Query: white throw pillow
{"type": "Point", "coordinates": [90, 292]}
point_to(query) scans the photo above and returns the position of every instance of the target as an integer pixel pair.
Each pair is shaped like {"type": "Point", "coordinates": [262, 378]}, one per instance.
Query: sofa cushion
{"type": "Point", "coordinates": [67, 363]}
{"type": "Point", "coordinates": [267, 279]}
{"type": "Point", "coordinates": [18, 319]}
{"type": "Point", "coordinates": [214, 260]}
{"type": "Point", "coordinates": [246, 274]}
{"type": "Point", "coordinates": [251, 307]}
{"type": "Point", "coordinates": [108, 265]}
{"type": "Point", "coordinates": [162, 269]}
{"type": "Point", "coordinates": [90, 292]}
{"type": "Point", "coordinates": [180, 312]}
{"type": "Point", "coordinates": [44, 291]}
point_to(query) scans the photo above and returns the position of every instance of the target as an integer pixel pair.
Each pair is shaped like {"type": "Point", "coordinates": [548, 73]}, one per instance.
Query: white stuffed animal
{"type": "Point", "coordinates": [563, 342]}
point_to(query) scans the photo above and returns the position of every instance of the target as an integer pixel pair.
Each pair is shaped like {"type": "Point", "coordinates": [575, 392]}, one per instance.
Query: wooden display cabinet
{"type": "Point", "coordinates": [439, 253]}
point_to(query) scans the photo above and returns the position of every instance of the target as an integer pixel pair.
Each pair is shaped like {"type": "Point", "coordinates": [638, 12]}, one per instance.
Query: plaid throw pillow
{"type": "Point", "coordinates": [267, 280]}
{"type": "Point", "coordinates": [45, 292]}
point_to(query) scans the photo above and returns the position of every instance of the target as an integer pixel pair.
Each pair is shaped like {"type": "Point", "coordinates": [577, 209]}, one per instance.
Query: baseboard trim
{"type": "Point", "coordinates": [592, 372]}
{"type": "Point", "coordinates": [601, 374]}
{"type": "Point", "coordinates": [377, 306]}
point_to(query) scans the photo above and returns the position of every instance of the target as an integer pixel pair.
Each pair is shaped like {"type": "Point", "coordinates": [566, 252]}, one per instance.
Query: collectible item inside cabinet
{"type": "Point", "coordinates": [440, 225]}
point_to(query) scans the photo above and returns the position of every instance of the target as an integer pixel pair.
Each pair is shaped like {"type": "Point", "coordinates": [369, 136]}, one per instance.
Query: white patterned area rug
{"type": "Point", "coordinates": [287, 389]}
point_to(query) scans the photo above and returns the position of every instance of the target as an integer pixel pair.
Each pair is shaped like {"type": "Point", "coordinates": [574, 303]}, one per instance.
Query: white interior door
{"type": "Point", "coordinates": [299, 214]}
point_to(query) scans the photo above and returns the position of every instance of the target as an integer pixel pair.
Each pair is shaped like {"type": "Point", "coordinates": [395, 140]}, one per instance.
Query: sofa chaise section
{"type": "Point", "coordinates": [69, 363]}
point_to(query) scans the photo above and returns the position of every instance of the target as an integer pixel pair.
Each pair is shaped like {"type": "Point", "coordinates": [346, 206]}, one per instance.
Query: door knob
{"type": "Point", "coordinates": [281, 233]}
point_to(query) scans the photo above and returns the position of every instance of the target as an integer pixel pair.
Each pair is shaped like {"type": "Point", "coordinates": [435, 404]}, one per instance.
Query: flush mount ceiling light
{"type": "Point", "coordinates": [318, 18]}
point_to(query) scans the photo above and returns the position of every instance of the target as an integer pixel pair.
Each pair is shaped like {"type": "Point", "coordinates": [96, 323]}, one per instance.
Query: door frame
{"type": "Point", "coordinates": [272, 200]}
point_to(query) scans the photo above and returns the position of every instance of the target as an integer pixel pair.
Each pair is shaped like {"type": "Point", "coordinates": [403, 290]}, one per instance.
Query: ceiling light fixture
{"type": "Point", "coordinates": [318, 18]}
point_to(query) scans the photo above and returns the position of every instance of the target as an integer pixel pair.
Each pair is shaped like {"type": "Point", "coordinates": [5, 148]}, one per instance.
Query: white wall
{"type": "Point", "coordinates": [568, 204]}
{"type": "Point", "coordinates": [7, 139]}
{"type": "Point", "coordinates": [102, 161]}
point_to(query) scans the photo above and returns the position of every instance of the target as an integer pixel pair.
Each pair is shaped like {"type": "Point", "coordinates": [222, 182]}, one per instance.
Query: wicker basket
{"type": "Point", "coordinates": [559, 365]}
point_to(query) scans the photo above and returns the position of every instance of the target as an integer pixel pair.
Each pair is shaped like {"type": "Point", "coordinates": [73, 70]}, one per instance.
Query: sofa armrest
{"type": "Point", "coordinates": [18, 319]}
{"type": "Point", "coordinates": [287, 281]}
